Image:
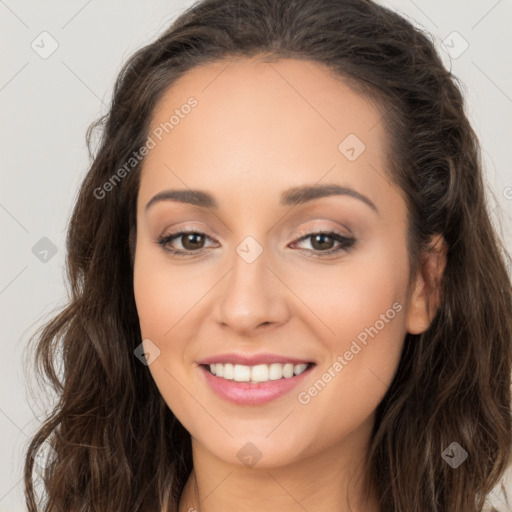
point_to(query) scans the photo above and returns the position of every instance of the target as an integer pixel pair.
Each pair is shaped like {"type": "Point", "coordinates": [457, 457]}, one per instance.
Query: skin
{"type": "Point", "coordinates": [258, 129]}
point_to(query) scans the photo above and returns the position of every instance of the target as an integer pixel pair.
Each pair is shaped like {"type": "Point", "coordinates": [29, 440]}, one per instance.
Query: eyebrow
{"type": "Point", "coordinates": [291, 197]}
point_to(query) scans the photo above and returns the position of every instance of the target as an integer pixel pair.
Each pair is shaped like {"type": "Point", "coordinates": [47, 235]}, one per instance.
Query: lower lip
{"type": "Point", "coordinates": [245, 393]}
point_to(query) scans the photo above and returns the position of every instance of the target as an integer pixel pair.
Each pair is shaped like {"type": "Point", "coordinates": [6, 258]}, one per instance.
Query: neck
{"type": "Point", "coordinates": [332, 480]}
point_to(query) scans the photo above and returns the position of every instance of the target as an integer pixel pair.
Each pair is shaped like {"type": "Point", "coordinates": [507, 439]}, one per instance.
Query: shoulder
{"type": "Point", "coordinates": [500, 498]}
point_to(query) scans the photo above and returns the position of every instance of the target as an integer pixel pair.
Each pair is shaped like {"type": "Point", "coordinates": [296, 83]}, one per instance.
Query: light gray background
{"type": "Point", "coordinates": [47, 105]}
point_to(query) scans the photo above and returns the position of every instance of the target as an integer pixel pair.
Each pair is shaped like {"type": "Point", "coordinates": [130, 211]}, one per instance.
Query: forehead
{"type": "Point", "coordinates": [258, 123]}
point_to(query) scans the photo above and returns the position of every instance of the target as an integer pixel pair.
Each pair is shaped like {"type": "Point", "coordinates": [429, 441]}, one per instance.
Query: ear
{"type": "Point", "coordinates": [425, 297]}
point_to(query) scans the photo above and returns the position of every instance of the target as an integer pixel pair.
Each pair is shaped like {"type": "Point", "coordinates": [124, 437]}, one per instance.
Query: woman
{"type": "Point", "coordinates": [287, 293]}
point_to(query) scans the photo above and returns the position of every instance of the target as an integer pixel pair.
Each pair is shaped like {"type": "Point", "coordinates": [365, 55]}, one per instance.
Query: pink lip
{"type": "Point", "coordinates": [252, 360]}
{"type": "Point", "coordinates": [245, 393]}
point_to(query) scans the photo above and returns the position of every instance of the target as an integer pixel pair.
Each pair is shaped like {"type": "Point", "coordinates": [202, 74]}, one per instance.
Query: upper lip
{"type": "Point", "coordinates": [252, 360]}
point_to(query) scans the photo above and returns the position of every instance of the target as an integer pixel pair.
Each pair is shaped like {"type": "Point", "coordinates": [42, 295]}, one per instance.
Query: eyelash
{"type": "Point", "coordinates": [346, 243]}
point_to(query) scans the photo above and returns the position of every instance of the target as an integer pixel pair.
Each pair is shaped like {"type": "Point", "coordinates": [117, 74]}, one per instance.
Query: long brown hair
{"type": "Point", "coordinates": [117, 445]}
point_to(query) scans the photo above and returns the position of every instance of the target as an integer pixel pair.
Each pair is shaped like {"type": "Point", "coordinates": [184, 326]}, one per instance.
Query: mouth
{"type": "Point", "coordinates": [256, 373]}
{"type": "Point", "coordinates": [256, 384]}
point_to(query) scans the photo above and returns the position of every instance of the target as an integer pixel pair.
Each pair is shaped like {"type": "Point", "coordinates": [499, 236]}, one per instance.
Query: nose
{"type": "Point", "coordinates": [251, 297]}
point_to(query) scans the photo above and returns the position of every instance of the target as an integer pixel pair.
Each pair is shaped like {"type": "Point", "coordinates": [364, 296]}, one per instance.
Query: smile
{"type": "Point", "coordinates": [257, 373]}
{"type": "Point", "coordinates": [254, 385]}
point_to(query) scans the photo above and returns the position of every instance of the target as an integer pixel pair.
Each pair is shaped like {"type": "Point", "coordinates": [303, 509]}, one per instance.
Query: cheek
{"type": "Point", "coordinates": [165, 298]}
{"type": "Point", "coordinates": [364, 307]}
{"type": "Point", "coordinates": [365, 291]}
{"type": "Point", "coordinates": [373, 315]}
{"type": "Point", "coordinates": [163, 293]}
{"type": "Point", "coordinates": [364, 357]}
{"type": "Point", "coordinates": [367, 315]}
{"type": "Point", "coordinates": [161, 298]}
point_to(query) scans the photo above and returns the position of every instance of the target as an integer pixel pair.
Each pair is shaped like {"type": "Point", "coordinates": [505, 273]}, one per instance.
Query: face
{"type": "Point", "coordinates": [300, 301]}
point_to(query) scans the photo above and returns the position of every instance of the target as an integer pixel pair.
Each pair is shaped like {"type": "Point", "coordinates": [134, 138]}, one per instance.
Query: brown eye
{"type": "Point", "coordinates": [191, 242]}
{"type": "Point", "coordinates": [322, 243]}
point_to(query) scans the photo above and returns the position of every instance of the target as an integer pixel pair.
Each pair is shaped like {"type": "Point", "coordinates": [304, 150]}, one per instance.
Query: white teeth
{"type": "Point", "coordinates": [275, 371]}
{"type": "Point", "coordinates": [288, 370]}
{"type": "Point", "coordinates": [228, 372]}
{"type": "Point", "coordinates": [299, 368]}
{"type": "Point", "coordinates": [242, 373]}
{"type": "Point", "coordinates": [258, 373]}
